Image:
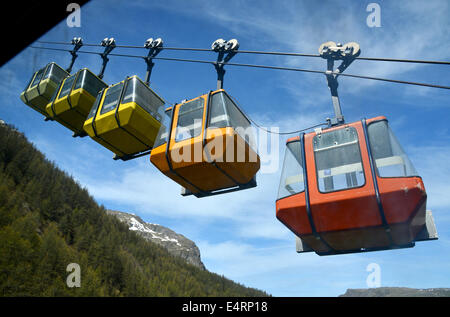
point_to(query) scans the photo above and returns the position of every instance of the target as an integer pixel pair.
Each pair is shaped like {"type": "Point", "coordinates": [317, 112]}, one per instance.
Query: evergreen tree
{"type": "Point", "coordinates": [48, 221]}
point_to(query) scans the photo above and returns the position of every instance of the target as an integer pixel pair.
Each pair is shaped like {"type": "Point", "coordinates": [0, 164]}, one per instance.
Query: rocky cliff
{"type": "Point", "coordinates": [175, 243]}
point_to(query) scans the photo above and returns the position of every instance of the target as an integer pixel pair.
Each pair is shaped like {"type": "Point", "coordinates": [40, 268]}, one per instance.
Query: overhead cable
{"type": "Point", "coordinates": [260, 66]}
{"type": "Point", "coordinates": [378, 59]}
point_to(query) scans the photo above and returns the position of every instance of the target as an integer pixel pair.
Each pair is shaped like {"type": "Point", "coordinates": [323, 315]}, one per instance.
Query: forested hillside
{"type": "Point", "coordinates": [47, 221]}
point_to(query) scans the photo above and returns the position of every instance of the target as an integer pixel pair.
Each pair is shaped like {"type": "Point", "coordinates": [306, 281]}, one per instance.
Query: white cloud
{"type": "Point", "coordinates": [300, 27]}
{"type": "Point", "coordinates": [303, 274]}
{"type": "Point", "coordinates": [432, 164]}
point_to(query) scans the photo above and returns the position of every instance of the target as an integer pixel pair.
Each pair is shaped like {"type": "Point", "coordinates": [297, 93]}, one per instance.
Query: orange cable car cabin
{"type": "Point", "coordinates": [208, 146]}
{"type": "Point", "coordinates": [351, 188]}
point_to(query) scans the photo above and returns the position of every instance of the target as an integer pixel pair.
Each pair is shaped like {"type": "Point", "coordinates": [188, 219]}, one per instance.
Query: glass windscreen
{"type": "Point", "coordinates": [55, 93]}
{"type": "Point", "coordinates": [387, 153]}
{"type": "Point", "coordinates": [89, 82]}
{"type": "Point", "coordinates": [95, 105]}
{"type": "Point", "coordinates": [225, 113]}
{"type": "Point", "coordinates": [67, 86]}
{"type": "Point", "coordinates": [48, 70]}
{"type": "Point", "coordinates": [55, 73]}
{"type": "Point", "coordinates": [30, 81]}
{"type": "Point", "coordinates": [163, 132]}
{"type": "Point", "coordinates": [189, 124]}
{"type": "Point", "coordinates": [38, 77]}
{"type": "Point", "coordinates": [338, 160]}
{"type": "Point", "coordinates": [141, 94]}
{"type": "Point", "coordinates": [111, 98]}
{"type": "Point", "coordinates": [58, 74]}
{"type": "Point", "coordinates": [292, 174]}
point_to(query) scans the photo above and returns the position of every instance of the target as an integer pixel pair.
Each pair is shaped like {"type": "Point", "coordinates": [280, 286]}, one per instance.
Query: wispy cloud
{"type": "Point", "coordinates": [304, 275]}
{"type": "Point", "coordinates": [301, 27]}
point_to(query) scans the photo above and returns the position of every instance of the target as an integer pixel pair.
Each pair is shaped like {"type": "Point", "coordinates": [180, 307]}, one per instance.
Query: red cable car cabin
{"type": "Point", "coordinates": [357, 192]}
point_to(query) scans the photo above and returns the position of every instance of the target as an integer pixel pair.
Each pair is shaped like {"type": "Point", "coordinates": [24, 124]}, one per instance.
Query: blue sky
{"type": "Point", "coordinates": [238, 234]}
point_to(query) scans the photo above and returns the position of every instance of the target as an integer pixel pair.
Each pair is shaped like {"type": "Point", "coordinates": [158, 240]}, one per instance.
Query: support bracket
{"type": "Point", "coordinates": [109, 44]}
{"type": "Point", "coordinates": [78, 43]}
{"type": "Point", "coordinates": [154, 47]}
{"type": "Point", "coordinates": [333, 52]}
{"type": "Point", "coordinates": [226, 50]}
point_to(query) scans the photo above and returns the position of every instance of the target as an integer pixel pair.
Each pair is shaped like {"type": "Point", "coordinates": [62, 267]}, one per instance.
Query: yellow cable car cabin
{"type": "Point", "coordinates": [74, 99]}
{"type": "Point", "coordinates": [42, 87]}
{"type": "Point", "coordinates": [208, 148]}
{"type": "Point", "coordinates": [125, 117]}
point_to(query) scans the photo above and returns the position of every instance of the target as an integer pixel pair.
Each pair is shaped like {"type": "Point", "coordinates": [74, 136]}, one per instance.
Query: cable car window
{"type": "Point", "coordinates": [292, 174]}
{"type": "Point", "coordinates": [89, 82]}
{"type": "Point", "coordinates": [38, 77]}
{"type": "Point", "coordinates": [29, 82]}
{"type": "Point", "coordinates": [138, 92]}
{"type": "Point", "coordinates": [163, 132]}
{"type": "Point", "coordinates": [95, 105]}
{"type": "Point", "coordinates": [111, 98]}
{"type": "Point", "coordinates": [55, 93]}
{"type": "Point", "coordinates": [225, 113]}
{"type": "Point", "coordinates": [219, 117]}
{"type": "Point", "coordinates": [48, 71]}
{"type": "Point", "coordinates": [55, 73]}
{"type": "Point", "coordinates": [390, 159]}
{"type": "Point", "coordinates": [338, 160]}
{"type": "Point", "coordinates": [130, 93]}
{"type": "Point", "coordinates": [67, 86]}
{"type": "Point", "coordinates": [190, 117]}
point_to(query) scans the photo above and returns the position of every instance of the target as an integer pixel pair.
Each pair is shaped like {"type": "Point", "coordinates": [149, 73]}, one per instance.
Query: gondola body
{"type": "Point", "coordinates": [74, 99]}
{"type": "Point", "coordinates": [207, 146]}
{"type": "Point", "coordinates": [351, 188]}
{"type": "Point", "coordinates": [126, 117]}
{"type": "Point", "coordinates": [42, 87]}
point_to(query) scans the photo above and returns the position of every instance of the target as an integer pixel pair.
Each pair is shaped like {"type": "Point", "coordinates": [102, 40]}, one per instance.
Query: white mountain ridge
{"type": "Point", "coordinates": [175, 243]}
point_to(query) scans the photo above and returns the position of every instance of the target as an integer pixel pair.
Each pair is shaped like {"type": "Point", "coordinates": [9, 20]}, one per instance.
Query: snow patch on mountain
{"type": "Point", "coordinates": [175, 243]}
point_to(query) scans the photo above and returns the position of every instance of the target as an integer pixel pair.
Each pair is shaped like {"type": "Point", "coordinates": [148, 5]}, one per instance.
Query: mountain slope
{"type": "Point", "coordinates": [48, 221]}
{"type": "Point", "coordinates": [397, 292]}
{"type": "Point", "coordinates": [175, 243]}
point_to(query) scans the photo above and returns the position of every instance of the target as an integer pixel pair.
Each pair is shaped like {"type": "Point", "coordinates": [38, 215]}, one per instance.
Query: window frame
{"type": "Point", "coordinates": [101, 112]}
{"type": "Point", "coordinates": [201, 129]}
{"type": "Point", "coordinates": [64, 81]}
{"type": "Point", "coordinates": [303, 172]}
{"type": "Point", "coordinates": [375, 167]}
{"type": "Point", "coordinates": [96, 105]}
{"type": "Point", "coordinates": [208, 118]}
{"type": "Point", "coordinates": [135, 96]}
{"type": "Point", "coordinates": [35, 83]}
{"type": "Point", "coordinates": [169, 115]}
{"type": "Point", "coordinates": [358, 143]}
{"type": "Point", "coordinates": [234, 104]}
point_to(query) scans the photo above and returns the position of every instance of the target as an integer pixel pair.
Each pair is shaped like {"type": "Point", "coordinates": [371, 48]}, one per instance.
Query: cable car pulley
{"type": "Point", "coordinates": [223, 47]}
{"type": "Point", "coordinates": [333, 52]}
{"type": "Point", "coordinates": [109, 44]}
{"type": "Point", "coordinates": [78, 43]}
{"type": "Point", "coordinates": [154, 47]}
